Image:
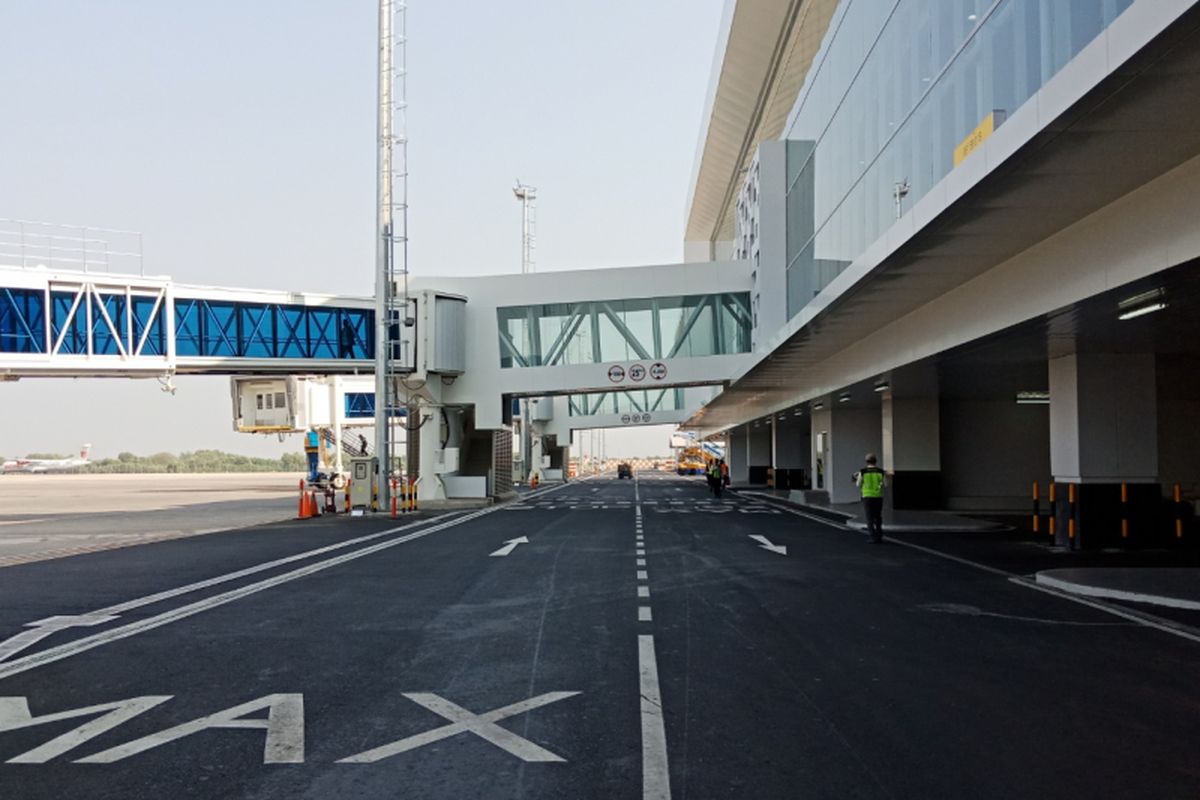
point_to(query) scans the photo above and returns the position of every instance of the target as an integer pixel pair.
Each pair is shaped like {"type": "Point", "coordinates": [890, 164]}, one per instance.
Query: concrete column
{"type": "Point", "coordinates": [841, 436]}
{"type": "Point", "coordinates": [758, 450]}
{"type": "Point", "coordinates": [1103, 431]}
{"type": "Point", "coordinates": [911, 450]}
{"type": "Point", "coordinates": [792, 451]}
{"type": "Point", "coordinates": [737, 455]}
{"type": "Point", "coordinates": [430, 435]}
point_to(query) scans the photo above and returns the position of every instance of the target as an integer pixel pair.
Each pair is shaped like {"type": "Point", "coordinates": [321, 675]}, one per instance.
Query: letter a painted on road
{"type": "Point", "coordinates": [284, 726]}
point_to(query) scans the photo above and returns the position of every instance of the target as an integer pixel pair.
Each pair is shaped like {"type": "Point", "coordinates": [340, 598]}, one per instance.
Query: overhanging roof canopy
{"type": "Point", "coordinates": [762, 60]}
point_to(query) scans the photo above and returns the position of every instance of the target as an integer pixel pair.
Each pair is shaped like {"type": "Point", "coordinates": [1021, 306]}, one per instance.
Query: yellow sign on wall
{"type": "Point", "coordinates": [975, 138]}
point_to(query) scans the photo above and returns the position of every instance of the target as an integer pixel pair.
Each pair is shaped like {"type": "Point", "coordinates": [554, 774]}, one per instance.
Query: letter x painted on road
{"type": "Point", "coordinates": [463, 721]}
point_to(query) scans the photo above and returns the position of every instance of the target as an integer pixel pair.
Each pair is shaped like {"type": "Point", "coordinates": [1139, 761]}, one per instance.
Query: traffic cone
{"type": "Point", "coordinates": [304, 511]}
{"type": "Point", "coordinates": [314, 506]}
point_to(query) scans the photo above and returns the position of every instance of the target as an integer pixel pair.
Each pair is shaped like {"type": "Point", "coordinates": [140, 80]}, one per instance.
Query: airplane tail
{"type": "Point", "coordinates": [83, 454]}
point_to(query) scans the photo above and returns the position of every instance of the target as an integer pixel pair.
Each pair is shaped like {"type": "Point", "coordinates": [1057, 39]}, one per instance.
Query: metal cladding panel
{"type": "Point", "coordinates": [450, 335]}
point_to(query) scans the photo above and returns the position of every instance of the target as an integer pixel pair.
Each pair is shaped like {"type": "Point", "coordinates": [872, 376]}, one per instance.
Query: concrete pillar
{"type": "Point", "coordinates": [841, 436]}
{"type": "Point", "coordinates": [737, 455]}
{"type": "Point", "coordinates": [758, 451]}
{"type": "Point", "coordinates": [537, 450]}
{"type": "Point", "coordinates": [430, 434]}
{"type": "Point", "coordinates": [792, 451]}
{"type": "Point", "coordinates": [911, 450]}
{"type": "Point", "coordinates": [1103, 431]}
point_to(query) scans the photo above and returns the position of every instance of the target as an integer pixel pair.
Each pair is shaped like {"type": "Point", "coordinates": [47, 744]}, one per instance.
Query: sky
{"type": "Point", "coordinates": [238, 138]}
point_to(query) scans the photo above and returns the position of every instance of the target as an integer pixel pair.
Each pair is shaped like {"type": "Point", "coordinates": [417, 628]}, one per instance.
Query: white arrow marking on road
{"type": "Point", "coordinates": [510, 545]}
{"type": "Point", "coordinates": [765, 544]}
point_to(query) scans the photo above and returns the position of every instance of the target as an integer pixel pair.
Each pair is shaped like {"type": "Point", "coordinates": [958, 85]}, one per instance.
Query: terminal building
{"type": "Point", "coordinates": [972, 234]}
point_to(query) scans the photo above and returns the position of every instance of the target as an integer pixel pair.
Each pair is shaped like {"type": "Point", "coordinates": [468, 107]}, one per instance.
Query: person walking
{"type": "Point", "coordinates": [346, 339]}
{"type": "Point", "coordinates": [871, 482]}
{"type": "Point", "coordinates": [718, 478]}
{"type": "Point", "coordinates": [362, 445]}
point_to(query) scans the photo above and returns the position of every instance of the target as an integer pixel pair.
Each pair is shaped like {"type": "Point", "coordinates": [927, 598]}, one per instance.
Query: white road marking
{"type": "Point", "coordinates": [644, 614]}
{"type": "Point", "coordinates": [46, 627]}
{"type": "Point", "coordinates": [641, 562]}
{"type": "Point", "coordinates": [656, 779]}
{"type": "Point", "coordinates": [509, 546]}
{"type": "Point", "coordinates": [53, 654]}
{"type": "Point", "coordinates": [641, 575]}
{"type": "Point", "coordinates": [1147, 620]}
{"type": "Point", "coordinates": [14, 715]}
{"type": "Point", "coordinates": [25, 639]}
{"type": "Point", "coordinates": [765, 544]}
{"type": "Point", "coordinates": [1114, 594]}
{"type": "Point", "coordinates": [284, 726]}
{"type": "Point", "coordinates": [463, 721]}
{"type": "Point", "coordinates": [643, 591]}
{"type": "Point", "coordinates": [639, 552]}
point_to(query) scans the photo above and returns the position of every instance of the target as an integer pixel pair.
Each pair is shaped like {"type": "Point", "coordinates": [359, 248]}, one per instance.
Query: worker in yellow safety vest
{"type": "Point", "coordinates": [871, 482]}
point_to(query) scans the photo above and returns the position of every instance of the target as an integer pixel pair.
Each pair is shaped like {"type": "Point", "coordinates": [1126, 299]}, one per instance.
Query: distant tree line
{"type": "Point", "coordinates": [197, 461]}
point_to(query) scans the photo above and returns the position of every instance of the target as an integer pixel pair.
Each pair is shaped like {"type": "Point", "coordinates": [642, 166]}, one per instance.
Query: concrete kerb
{"type": "Point", "coordinates": [930, 522]}
{"type": "Point", "coordinates": [1167, 587]}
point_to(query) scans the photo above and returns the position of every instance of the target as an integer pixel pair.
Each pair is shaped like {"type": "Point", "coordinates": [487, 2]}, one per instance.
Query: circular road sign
{"type": "Point", "coordinates": [616, 373]}
{"type": "Point", "coordinates": [637, 372]}
{"type": "Point", "coordinates": [658, 370]}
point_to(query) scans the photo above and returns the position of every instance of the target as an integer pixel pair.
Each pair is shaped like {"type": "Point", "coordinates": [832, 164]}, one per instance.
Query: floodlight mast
{"type": "Point", "coordinates": [528, 197]}
{"type": "Point", "coordinates": [389, 273]}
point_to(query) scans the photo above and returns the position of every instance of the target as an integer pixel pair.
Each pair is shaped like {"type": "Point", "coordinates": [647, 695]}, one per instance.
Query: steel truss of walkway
{"type": "Point", "coordinates": [78, 324]}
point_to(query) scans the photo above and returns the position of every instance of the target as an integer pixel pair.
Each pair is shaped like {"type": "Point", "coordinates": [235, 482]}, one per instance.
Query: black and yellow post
{"type": "Point", "coordinates": [1037, 510]}
{"type": "Point", "coordinates": [1124, 510]}
{"type": "Point", "coordinates": [1178, 495]}
{"type": "Point", "coordinates": [1052, 496]}
{"type": "Point", "coordinates": [1071, 514]}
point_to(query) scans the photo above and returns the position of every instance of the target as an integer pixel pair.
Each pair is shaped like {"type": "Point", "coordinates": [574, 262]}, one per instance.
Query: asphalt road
{"type": "Point", "coordinates": [446, 660]}
{"type": "Point", "coordinates": [56, 515]}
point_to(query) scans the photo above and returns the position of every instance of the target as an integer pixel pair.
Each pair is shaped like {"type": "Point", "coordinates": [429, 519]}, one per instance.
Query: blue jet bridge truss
{"type": "Point", "coordinates": [80, 324]}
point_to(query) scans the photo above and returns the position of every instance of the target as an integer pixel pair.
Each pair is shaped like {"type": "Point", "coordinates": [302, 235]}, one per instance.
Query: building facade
{"type": "Point", "coordinates": [972, 248]}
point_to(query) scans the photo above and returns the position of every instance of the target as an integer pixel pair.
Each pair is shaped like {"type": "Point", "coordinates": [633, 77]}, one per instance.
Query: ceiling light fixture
{"type": "Point", "coordinates": [1142, 304]}
{"type": "Point", "coordinates": [844, 397]}
{"type": "Point", "coordinates": [882, 386]}
{"type": "Point", "coordinates": [1033, 398]}
{"type": "Point", "coordinates": [818, 406]}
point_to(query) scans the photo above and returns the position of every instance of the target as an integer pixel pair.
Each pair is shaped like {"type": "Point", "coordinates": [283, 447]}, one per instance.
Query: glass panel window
{"type": "Point", "coordinates": [897, 86]}
{"type": "Point", "coordinates": [686, 326]}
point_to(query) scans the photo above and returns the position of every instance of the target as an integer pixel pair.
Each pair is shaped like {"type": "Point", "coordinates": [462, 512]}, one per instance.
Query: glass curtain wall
{"type": "Point", "coordinates": [897, 87]}
{"type": "Point", "coordinates": [624, 330]}
{"type": "Point", "coordinates": [622, 402]}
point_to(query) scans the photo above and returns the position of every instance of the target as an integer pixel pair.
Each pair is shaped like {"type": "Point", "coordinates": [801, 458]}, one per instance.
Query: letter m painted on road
{"type": "Point", "coordinates": [15, 715]}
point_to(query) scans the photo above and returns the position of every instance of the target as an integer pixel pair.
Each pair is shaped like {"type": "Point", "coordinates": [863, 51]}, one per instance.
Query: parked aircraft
{"type": "Point", "coordinates": [41, 465]}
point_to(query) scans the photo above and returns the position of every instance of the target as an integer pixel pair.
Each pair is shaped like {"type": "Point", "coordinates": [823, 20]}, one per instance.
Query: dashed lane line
{"type": "Point", "coordinates": [656, 781]}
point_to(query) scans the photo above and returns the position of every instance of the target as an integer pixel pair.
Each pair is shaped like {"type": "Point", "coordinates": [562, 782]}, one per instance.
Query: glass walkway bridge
{"type": "Point", "coordinates": [81, 325]}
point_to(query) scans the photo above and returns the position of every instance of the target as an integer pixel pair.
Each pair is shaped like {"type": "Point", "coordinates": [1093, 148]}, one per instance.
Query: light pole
{"type": "Point", "coordinates": [528, 197]}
